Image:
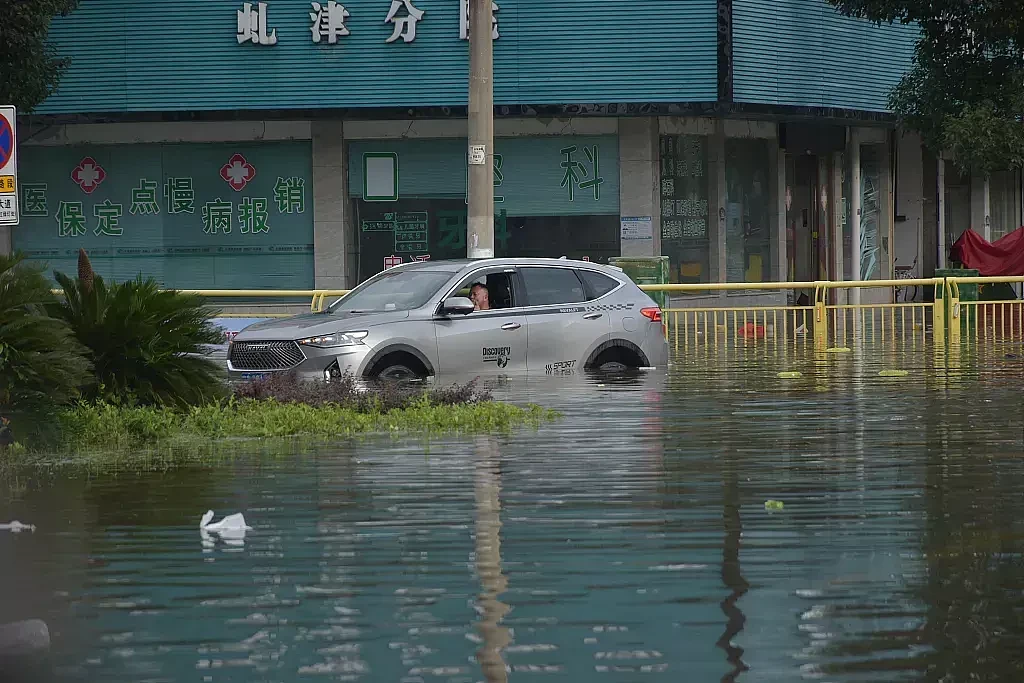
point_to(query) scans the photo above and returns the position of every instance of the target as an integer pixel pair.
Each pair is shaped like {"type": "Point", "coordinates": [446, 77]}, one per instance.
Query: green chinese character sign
{"type": "Point", "coordinates": [33, 200]}
{"type": "Point", "coordinates": [578, 175]}
{"type": "Point", "coordinates": [193, 216]}
{"type": "Point", "coordinates": [108, 217]}
{"type": "Point", "coordinates": [70, 219]}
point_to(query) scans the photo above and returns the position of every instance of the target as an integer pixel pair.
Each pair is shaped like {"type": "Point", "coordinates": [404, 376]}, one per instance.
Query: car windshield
{"type": "Point", "coordinates": [401, 290]}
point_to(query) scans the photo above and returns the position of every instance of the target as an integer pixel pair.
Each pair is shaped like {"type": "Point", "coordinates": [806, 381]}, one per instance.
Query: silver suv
{"type": "Point", "coordinates": [548, 316]}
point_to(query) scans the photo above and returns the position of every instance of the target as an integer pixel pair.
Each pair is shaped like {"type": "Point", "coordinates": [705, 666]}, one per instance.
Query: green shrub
{"type": "Point", "coordinates": [42, 366]}
{"type": "Point", "coordinates": [121, 429]}
{"type": "Point", "coordinates": [348, 391]}
{"type": "Point", "coordinates": [147, 346]}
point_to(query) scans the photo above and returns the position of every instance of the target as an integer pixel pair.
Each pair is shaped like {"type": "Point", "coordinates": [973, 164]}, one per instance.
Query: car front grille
{"type": "Point", "coordinates": [270, 355]}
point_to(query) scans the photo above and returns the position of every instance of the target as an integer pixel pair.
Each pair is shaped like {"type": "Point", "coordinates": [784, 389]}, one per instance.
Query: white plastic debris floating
{"type": "Point", "coordinates": [235, 522]}
{"type": "Point", "coordinates": [17, 527]}
{"type": "Point", "coordinates": [231, 530]}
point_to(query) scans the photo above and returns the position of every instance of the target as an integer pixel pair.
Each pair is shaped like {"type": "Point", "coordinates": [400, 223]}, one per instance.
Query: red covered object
{"type": "Point", "coordinates": [1005, 256]}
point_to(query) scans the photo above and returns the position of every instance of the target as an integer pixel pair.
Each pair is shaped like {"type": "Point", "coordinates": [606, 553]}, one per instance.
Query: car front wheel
{"type": "Point", "coordinates": [396, 372]}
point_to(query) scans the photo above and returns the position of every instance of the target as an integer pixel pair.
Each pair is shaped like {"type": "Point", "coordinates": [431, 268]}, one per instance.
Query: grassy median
{"type": "Point", "coordinates": [283, 409]}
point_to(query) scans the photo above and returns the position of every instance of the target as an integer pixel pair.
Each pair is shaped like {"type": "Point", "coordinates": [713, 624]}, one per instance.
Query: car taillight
{"type": "Point", "coordinates": [652, 314]}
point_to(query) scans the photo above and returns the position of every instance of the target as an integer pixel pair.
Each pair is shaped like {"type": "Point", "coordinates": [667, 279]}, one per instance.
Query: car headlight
{"type": "Point", "coordinates": [326, 341]}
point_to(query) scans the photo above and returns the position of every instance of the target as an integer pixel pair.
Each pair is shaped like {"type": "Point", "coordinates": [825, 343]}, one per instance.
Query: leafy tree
{"type": "Point", "coordinates": [965, 91]}
{"type": "Point", "coordinates": [29, 67]}
{"type": "Point", "coordinates": [147, 345]}
{"type": "Point", "coordinates": [42, 366]}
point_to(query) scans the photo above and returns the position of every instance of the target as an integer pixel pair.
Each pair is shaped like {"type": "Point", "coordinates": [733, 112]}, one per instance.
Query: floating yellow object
{"type": "Point", "coordinates": [893, 373]}
{"type": "Point", "coordinates": [838, 349]}
{"type": "Point", "coordinates": [790, 375]}
{"type": "Point", "coordinates": [774, 505]}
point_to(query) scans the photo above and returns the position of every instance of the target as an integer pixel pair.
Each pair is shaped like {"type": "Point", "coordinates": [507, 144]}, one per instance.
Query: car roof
{"type": "Point", "coordinates": [459, 265]}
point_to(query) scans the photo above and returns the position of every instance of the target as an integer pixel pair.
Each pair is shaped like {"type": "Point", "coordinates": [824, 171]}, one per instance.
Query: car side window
{"type": "Point", "coordinates": [546, 286]}
{"type": "Point", "coordinates": [498, 285]}
{"type": "Point", "coordinates": [597, 284]}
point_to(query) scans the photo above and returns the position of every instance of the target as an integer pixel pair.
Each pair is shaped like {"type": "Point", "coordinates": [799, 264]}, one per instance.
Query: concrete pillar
{"type": "Point", "coordinates": [716, 204]}
{"type": "Point", "coordinates": [943, 248]}
{"type": "Point", "coordinates": [981, 211]}
{"type": "Point", "coordinates": [835, 193]}
{"type": "Point", "coordinates": [639, 180]}
{"type": "Point", "coordinates": [332, 237]}
{"type": "Point", "coordinates": [886, 215]}
{"type": "Point", "coordinates": [778, 268]}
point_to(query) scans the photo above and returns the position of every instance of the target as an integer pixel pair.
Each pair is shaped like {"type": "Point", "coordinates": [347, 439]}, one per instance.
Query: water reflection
{"type": "Point", "coordinates": [487, 553]}
{"type": "Point", "coordinates": [627, 542]}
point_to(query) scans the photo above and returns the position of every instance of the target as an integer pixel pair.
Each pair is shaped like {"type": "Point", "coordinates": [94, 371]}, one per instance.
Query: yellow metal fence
{"type": "Point", "coordinates": [833, 314]}
{"type": "Point", "coordinates": [989, 321]}
{"type": "Point", "coordinates": [829, 314]}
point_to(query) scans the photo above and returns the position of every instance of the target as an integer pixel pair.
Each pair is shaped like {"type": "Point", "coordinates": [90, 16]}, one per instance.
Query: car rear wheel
{"type": "Point", "coordinates": [616, 358]}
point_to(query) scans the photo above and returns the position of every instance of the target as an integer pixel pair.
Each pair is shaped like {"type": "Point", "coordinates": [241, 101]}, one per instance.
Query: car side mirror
{"type": "Point", "coordinates": [457, 305]}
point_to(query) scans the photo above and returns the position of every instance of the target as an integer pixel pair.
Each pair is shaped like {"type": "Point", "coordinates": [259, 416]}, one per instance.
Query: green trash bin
{"type": "Point", "coordinates": [645, 270]}
{"type": "Point", "coordinates": [968, 292]}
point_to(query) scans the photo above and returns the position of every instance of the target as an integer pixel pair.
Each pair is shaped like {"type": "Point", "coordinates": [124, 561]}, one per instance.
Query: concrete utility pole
{"type": "Point", "coordinates": [480, 237]}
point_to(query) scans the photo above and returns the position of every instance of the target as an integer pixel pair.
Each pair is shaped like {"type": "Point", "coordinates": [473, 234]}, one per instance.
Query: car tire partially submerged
{"type": "Point", "coordinates": [397, 373]}
{"type": "Point", "coordinates": [398, 366]}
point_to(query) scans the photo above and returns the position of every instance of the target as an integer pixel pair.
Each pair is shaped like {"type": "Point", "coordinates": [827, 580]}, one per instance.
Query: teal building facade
{"type": "Point", "coordinates": [284, 144]}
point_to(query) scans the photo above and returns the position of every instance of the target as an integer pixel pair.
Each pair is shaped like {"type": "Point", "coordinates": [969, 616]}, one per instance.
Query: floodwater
{"type": "Point", "coordinates": [629, 541]}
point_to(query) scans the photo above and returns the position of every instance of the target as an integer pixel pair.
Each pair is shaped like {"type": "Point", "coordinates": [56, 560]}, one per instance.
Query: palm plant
{"type": "Point", "coordinates": [42, 365]}
{"type": "Point", "coordinates": [147, 345]}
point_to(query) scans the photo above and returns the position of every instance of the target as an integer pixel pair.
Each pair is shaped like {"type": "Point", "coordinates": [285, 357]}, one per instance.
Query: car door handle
{"type": "Point", "coordinates": [511, 326]}
{"type": "Point", "coordinates": [592, 316]}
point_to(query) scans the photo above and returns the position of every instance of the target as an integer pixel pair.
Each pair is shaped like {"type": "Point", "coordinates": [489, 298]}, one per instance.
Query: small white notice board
{"type": "Point", "coordinates": [636, 228]}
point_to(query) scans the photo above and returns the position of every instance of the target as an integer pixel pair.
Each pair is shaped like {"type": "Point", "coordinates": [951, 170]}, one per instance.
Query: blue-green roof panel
{"type": "Point", "coordinates": [135, 56]}
{"type": "Point", "coordinates": [804, 53]}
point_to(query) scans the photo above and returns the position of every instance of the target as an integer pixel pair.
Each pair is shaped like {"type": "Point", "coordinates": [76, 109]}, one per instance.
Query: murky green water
{"type": "Point", "coordinates": [627, 542]}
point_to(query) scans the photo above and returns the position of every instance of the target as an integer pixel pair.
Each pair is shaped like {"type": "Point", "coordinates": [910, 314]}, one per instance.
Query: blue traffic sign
{"type": "Point", "coordinates": [6, 141]}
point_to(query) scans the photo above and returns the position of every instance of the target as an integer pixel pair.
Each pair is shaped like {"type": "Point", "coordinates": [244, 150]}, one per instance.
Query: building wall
{"type": "Point", "coordinates": [714, 190]}
{"type": "Point", "coordinates": [804, 53]}
{"type": "Point", "coordinates": [137, 57]}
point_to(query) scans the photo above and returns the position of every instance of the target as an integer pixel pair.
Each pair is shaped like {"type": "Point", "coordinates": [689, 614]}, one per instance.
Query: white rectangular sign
{"type": "Point", "coordinates": [477, 155]}
{"type": "Point", "coordinates": [8, 165]}
{"type": "Point", "coordinates": [636, 228]}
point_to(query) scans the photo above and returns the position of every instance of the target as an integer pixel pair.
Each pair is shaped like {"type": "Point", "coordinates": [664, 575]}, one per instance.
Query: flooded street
{"type": "Point", "coordinates": [627, 541]}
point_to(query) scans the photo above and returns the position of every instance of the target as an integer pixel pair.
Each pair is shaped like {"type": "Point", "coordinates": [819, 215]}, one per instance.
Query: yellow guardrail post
{"type": "Point", "coordinates": [820, 315]}
{"type": "Point", "coordinates": [953, 294]}
{"type": "Point", "coordinates": [939, 312]}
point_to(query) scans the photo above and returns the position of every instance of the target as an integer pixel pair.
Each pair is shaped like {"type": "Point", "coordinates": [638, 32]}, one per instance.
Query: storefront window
{"type": "Point", "coordinates": [957, 201]}
{"type": "Point", "coordinates": [748, 234]}
{"type": "Point", "coordinates": [436, 229]}
{"type": "Point", "coordinates": [871, 157]}
{"type": "Point", "coordinates": [1005, 203]}
{"type": "Point", "coordinates": [553, 196]}
{"type": "Point", "coordinates": [684, 207]}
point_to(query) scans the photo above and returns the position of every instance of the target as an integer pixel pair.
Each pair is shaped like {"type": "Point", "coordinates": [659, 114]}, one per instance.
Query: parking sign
{"type": "Point", "coordinates": [8, 166]}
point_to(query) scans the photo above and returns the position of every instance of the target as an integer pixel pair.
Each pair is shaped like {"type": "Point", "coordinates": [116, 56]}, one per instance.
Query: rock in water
{"type": "Point", "coordinates": [21, 638]}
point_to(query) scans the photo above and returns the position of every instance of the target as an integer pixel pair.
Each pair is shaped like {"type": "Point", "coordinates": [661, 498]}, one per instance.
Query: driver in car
{"type": "Point", "coordinates": [480, 298]}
